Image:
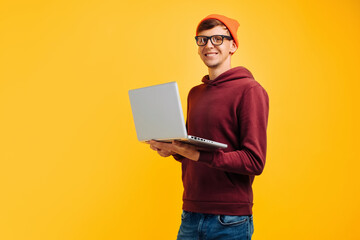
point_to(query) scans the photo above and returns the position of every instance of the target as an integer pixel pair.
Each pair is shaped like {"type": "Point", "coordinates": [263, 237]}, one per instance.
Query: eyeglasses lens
{"type": "Point", "coordinates": [201, 41]}
{"type": "Point", "coordinates": [216, 40]}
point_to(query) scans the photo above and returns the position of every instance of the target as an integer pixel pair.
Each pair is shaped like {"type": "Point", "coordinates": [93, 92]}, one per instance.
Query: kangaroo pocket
{"type": "Point", "coordinates": [203, 183]}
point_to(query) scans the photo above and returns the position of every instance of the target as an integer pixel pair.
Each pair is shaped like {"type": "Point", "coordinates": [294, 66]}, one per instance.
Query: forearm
{"type": "Point", "coordinates": [240, 161]}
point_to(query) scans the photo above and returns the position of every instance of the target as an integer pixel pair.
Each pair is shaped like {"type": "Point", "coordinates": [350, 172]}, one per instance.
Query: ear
{"type": "Point", "coordinates": [233, 47]}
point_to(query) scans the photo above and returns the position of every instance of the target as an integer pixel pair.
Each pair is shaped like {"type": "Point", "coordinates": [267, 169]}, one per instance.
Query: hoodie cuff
{"type": "Point", "coordinates": [178, 157]}
{"type": "Point", "coordinates": [206, 157]}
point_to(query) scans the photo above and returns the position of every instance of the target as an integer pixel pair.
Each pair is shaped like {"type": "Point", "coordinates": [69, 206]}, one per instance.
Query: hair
{"type": "Point", "coordinates": [209, 24]}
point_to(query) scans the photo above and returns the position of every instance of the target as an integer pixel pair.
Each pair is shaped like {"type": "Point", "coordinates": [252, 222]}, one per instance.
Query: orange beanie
{"type": "Point", "coordinates": [231, 24]}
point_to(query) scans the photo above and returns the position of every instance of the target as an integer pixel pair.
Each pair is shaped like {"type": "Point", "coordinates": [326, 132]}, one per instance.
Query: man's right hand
{"type": "Point", "coordinates": [166, 149]}
{"type": "Point", "coordinates": [162, 148]}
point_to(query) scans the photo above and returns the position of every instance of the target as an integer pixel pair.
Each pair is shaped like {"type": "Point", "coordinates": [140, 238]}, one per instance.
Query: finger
{"type": "Point", "coordinates": [179, 144]}
{"type": "Point", "coordinates": [153, 147]}
{"type": "Point", "coordinates": [182, 147]}
{"type": "Point", "coordinates": [162, 145]}
{"type": "Point", "coordinates": [185, 150]}
{"type": "Point", "coordinates": [155, 143]}
{"type": "Point", "coordinates": [164, 153]}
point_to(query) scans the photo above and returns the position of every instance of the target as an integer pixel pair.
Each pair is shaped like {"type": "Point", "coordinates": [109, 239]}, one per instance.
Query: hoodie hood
{"type": "Point", "coordinates": [232, 74]}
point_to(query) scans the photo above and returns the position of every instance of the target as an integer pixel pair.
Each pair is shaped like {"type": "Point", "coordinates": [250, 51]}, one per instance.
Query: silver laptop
{"type": "Point", "coordinates": [158, 115]}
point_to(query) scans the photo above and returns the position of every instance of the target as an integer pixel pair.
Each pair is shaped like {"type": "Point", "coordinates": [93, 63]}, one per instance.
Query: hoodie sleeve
{"type": "Point", "coordinates": [249, 159]}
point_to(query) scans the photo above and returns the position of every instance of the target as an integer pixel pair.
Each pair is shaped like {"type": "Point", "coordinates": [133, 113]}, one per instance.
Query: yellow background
{"type": "Point", "coordinates": [71, 166]}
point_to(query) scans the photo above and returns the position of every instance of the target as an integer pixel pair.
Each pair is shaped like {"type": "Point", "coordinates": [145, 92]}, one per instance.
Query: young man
{"type": "Point", "coordinates": [228, 107]}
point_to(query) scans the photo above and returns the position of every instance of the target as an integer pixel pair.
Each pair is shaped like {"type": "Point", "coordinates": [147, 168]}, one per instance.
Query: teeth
{"type": "Point", "coordinates": [210, 54]}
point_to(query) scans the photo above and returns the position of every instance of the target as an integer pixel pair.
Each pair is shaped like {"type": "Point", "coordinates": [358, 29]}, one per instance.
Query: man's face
{"type": "Point", "coordinates": [216, 56]}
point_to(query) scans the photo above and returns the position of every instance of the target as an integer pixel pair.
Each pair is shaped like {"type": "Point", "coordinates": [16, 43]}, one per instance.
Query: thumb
{"type": "Point", "coordinates": [177, 143]}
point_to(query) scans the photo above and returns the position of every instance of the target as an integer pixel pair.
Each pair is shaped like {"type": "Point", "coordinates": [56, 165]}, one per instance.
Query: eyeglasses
{"type": "Point", "coordinates": [216, 40]}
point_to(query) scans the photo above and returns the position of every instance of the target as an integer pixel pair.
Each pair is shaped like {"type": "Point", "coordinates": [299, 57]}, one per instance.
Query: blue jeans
{"type": "Point", "coordinates": [198, 226]}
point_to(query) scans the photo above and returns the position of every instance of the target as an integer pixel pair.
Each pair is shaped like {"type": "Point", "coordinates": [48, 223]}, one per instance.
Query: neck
{"type": "Point", "coordinates": [214, 72]}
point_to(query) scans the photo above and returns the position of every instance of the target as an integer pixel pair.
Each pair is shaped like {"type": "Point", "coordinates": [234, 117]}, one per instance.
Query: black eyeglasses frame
{"type": "Point", "coordinates": [210, 37]}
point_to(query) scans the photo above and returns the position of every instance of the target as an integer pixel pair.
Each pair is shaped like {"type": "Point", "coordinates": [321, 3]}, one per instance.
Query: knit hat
{"type": "Point", "coordinates": [231, 24]}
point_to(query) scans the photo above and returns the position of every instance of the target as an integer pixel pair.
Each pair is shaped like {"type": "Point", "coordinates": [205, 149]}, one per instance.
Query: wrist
{"type": "Point", "coordinates": [196, 156]}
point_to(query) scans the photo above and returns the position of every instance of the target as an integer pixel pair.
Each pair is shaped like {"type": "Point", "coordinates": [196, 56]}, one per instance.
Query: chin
{"type": "Point", "coordinates": [212, 65]}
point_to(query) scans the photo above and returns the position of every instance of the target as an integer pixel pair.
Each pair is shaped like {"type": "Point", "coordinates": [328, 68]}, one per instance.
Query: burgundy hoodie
{"type": "Point", "coordinates": [231, 109]}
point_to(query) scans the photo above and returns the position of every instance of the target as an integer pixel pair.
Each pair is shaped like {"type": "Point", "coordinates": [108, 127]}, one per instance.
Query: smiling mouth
{"type": "Point", "coordinates": [210, 54]}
